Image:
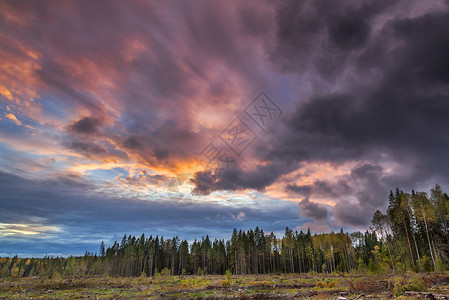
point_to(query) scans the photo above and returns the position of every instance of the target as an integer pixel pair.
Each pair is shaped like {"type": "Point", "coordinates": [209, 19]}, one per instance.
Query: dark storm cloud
{"type": "Point", "coordinates": [401, 110]}
{"type": "Point", "coordinates": [392, 108]}
{"type": "Point", "coordinates": [133, 142]}
{"type": "Point", "coordinates": [87, 148]}
{"type": "Point", "coordinates": [349, 32]}
{"type": "Point", "coordinates": [316, 33]}
{"type": "Point", "coordinates": [325, 128]}
{"type": "Point", "coordinates": [367, 183]}
{"type": "Point", "coordinates": [304, 190]}
{"type": "Point", "coordinates": [367, 171]}
{"type": "Point", "coordinates": [312, 210]}
{"type": "Point", "coordinates": [403, 113]}
{"type": "Point", "coordinates": [351, 214]}
{"type": "Point", "coordinates": [148, 147]}
{"type": "Point", "coordinates": [370, 187]}
{"type": "Point", "coordinates": [322, 189]}
{"type": "Point", "coordinates": [236, 179]}
{"type": "Point", "coordinates": [424, 48]}
{"type": "Point", "coordinates": [373, 187]}
{"type": "Point", "coordinates": [86, 125]}
{"type": "Point", "coordinates": [161, 144]}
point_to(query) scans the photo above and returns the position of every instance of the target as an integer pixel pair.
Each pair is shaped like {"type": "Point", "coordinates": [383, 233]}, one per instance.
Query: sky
{"type": "Point", "coordinates": [187, 118]}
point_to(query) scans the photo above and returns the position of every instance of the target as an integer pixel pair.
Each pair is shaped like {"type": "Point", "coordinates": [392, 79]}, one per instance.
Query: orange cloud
{"type": "Point", "coordinates": [307, 174]}
{"type": "Point", "coordinates": [13, 118]}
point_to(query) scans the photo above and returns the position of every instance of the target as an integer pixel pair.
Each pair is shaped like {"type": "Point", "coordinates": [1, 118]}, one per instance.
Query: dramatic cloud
{"type": "Point", "coordinates": [236, 179]}
{"type": "Point", "coordinates": [313, 210]}
{"type": "Point", "coordinates": [86, 125]}
{"type": "Point", "coordinates": [109, 111]}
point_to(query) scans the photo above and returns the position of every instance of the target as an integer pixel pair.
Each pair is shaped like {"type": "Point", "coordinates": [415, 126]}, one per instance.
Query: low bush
{"type": "Point", "coordinates": [415, 284]}
{"type": "Point", "coordinates": [225, 283]}
{"type": "Point", "coordinates": [326, 283]}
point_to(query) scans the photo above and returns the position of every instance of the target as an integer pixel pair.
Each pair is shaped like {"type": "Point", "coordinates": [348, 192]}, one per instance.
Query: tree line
{"type": "Point", "coordinates": [411, 235]}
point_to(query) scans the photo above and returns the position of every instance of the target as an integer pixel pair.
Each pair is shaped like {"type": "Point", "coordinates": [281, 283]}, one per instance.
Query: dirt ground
{"type": "Point", "coordinates": [280, 286]}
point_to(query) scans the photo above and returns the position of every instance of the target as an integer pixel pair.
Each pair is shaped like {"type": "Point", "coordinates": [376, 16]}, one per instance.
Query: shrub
{"type": "Point", "coordinates": [228, 275]}
{"type": "Point", "coordinates": [165, 272]}
{"type": "Point", "coordinates": [56, 275]}
{"type": "Point", "coordinates": [326, 283]}
{"type": "Point", "coordinates": [195, 282]}
{"type": "Point", "coordinates": [225, 283]}
{"type": "Point", "coordinates": [163, 276]}
{"type": "Point", "coordinates": [401, 285]}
